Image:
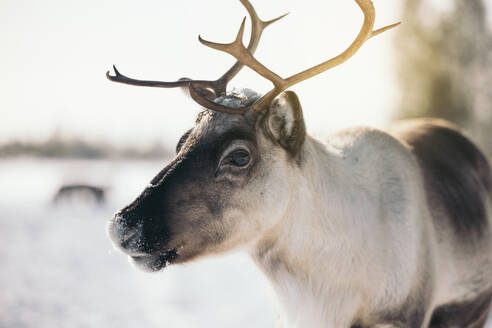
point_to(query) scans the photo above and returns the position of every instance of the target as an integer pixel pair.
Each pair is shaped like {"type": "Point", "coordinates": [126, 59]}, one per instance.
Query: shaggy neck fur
{"type": "Point", "coordinates": [313, 256]}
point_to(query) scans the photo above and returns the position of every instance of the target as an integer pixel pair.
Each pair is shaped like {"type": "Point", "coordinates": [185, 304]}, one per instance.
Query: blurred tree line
{"type": "Point", "coordinates": [444, 60]}
{"type": "Point", "coordinates": [61, 146]}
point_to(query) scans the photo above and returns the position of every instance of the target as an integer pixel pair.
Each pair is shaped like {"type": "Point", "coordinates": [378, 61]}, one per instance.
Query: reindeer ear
{"type": "Point", "coordinates": [284, 123]}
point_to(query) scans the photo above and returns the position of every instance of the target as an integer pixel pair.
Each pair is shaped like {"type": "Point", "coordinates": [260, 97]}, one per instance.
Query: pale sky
{"type": "Point", "coordinates": [54, 55]}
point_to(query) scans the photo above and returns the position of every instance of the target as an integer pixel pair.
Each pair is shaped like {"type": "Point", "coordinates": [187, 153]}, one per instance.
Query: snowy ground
{"type": "Point", "coordinates": [59, 269]}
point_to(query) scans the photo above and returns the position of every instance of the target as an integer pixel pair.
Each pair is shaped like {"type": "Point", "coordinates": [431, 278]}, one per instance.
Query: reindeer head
{"type": "Point", "coordinates": [230, 181]}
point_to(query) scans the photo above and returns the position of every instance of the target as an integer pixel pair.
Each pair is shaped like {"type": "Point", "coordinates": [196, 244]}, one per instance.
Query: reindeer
{"type": "Point", "coordinates": [369, 229]}
{"type": "Point", "coordinates": [83, 191]}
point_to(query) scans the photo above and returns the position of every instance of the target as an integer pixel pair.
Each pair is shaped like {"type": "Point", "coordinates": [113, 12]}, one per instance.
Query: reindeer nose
{"type": "Point", "coordinates": [124, 235]}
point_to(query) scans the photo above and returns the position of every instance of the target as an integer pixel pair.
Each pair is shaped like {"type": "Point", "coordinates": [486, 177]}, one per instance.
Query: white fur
{"type": "Point", "coordinates": [337, 239]}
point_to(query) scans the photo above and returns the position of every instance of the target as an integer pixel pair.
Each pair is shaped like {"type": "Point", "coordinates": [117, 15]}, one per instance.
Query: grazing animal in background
{"type": "Point", "coordinates": [80, 191]}
{"type": "Point", "coordinates": [370, 229]}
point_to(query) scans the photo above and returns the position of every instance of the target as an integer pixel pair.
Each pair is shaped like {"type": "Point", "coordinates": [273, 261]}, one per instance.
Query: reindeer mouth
{"type": "Point", "coordinates": [155, 262]}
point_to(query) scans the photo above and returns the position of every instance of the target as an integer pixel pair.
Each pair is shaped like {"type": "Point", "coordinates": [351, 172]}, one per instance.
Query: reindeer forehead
{"type": "Point", "coordinates": [210, 126]}
{"type": "Point", "coordinates": [215, 127]}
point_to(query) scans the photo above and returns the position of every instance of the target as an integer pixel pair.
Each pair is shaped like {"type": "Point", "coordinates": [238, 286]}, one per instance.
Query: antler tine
{"type": "Point", "coordinates": [218, 86]}
{"type": "Point", "coordinates": [120, 78]}
{"type": "Point", "coordinates": [257, 28]}
{"type": "Point", "coordinates": [238, 50]}
{"type": "Point", "coordinates": [384, 29]}
{"type": "Point", "coordinates": [365, 34]}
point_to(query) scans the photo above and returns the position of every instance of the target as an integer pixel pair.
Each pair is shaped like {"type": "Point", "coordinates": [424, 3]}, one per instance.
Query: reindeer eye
{"type": "Point", "coordinates": [240, 158]}
{"type": "Point", "coordinates": [236, 158]}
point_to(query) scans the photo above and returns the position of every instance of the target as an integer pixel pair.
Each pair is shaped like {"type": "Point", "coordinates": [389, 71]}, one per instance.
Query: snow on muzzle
{"type": "Point", "coordinates": [130, 240]}
{"type": "Point", "coordinates": [126, 238]}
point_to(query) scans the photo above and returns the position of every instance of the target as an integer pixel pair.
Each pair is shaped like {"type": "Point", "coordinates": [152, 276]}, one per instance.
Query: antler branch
{"type": "Point", "coordinates": [238, 50]}
{"type": "Point", "coordinates": [218, 86]}
{"type": "Point", "coordinates": [242, 54]}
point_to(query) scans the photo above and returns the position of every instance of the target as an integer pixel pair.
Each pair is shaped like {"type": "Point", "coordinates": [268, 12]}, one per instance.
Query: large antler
{"type": "Point", "coordinates": [205, 88]}
{"type": "Point", "coordinates": [238, 50]}
{"type": "Point", "coordinates": [201, 91]}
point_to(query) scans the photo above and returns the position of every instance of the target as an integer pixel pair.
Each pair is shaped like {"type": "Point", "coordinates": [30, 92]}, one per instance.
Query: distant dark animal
{"type": "Point", "coordinates": [80, 191]}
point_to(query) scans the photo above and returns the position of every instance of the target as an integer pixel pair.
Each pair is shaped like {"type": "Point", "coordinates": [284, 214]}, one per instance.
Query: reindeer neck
{"type": "Point", "coordinates": [312, 240]}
